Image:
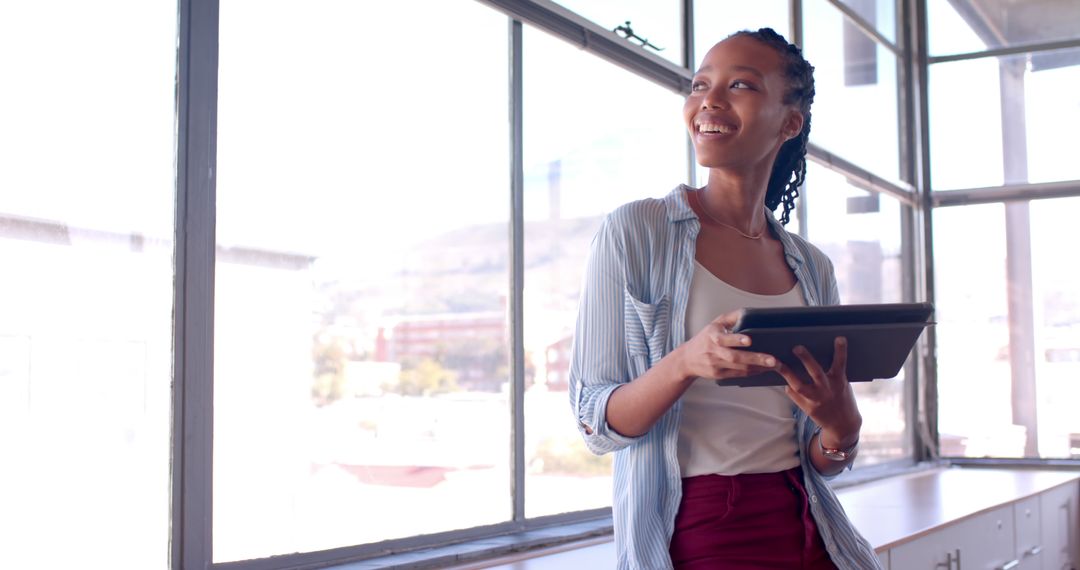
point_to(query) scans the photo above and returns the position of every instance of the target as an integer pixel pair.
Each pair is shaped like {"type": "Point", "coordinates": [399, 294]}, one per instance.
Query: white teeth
{"type": "Point", "coordinates": [714, 128]}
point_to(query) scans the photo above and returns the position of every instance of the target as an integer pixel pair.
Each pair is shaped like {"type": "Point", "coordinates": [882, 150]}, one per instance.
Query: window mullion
{"type": "Point", "coordinates": [517, 273]}
{"type": "Point", "coordinates": [191, 545]}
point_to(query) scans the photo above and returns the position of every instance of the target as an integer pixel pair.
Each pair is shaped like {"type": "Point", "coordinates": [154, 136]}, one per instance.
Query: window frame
{"type": "Point", "coordinates": [1004, 194]}
{"type": "Point", "coordinates": [191, 545]}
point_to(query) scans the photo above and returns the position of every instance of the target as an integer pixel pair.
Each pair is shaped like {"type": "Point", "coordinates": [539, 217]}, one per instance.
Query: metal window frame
{"type": "Point", "coordinates": [193, 323]}
{"type": "Point", "coordinates": [866, 27]}
{"type": "Point", "coordinates": [1020, 49]}
{"type": "Point", "coordinates": [191, 545]}
{"type": "Point", "coordinates": [1016, 193]}
{"type": "Point", "coordinates": [1007, 193]}
{"type": "Point", "coordinates": [589, 36]}
{"type": "Point", "coordinates": [923, 392]}
{"type": "Point", "coordinates": [517, 271]}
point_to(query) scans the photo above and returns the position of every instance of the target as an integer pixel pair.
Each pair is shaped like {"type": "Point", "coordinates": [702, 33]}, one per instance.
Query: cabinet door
{"type": "Point", "coordinates": [984, 541]}
{"type": "Point", "coordinates": [1028, 523]}
{"type": "Point", "coordinates": [1058, 508]}
{"type": "Point", "coordinates": [929, 552]}
{"type": "Point", "coordinates": [987, 540]}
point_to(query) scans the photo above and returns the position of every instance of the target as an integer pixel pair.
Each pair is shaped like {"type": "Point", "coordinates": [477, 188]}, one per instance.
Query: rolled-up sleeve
{"type": "Point", "coordinates": [599, 355]}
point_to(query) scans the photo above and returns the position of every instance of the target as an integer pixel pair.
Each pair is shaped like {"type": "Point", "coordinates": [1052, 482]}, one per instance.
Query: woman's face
{"type": "Point", "coordinates": [735, 112]}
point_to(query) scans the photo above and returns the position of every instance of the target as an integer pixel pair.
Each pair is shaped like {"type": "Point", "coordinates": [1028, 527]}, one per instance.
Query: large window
{"type": "Point", "coordinates": [855, 111]}
{"type": "Point", "coordinates": [583, 158]}
{"type": "Point", "coordinates": [361, 331]}
{"type": "Point", "coordinates": [1008, 134]}
{"type": "Point", "coordinates": [375, 174]}
{"type": "Point", "coordinates": [1009, 330]}
{"type": "Point", "coordinates": [1007, 301]}
{"type": "Point", "coordinates": [860, 231]}
{"type": "Point", "coordinates": [86, 296]}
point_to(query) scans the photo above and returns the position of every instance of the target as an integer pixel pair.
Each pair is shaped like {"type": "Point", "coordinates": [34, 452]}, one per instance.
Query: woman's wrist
{"type": "Point", "coordinates": [839, 439]}
{"type": "Point", "coordinates": [680, 369]}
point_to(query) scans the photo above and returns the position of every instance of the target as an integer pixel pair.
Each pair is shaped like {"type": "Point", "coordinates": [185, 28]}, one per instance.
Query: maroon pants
{"type": "Point", "coordinates": [744, 522]}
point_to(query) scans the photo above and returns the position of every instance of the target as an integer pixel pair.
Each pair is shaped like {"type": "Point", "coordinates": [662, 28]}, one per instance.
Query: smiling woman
{"type": "Point", "coordinates": [666, 279]}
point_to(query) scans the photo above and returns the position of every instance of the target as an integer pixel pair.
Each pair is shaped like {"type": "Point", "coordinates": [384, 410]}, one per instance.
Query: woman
{"type": "Point", "coordinates": [708, 476]}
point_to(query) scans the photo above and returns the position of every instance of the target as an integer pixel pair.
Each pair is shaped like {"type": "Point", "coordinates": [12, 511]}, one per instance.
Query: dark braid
{"type": "Point", "coordinates": [789, 169]}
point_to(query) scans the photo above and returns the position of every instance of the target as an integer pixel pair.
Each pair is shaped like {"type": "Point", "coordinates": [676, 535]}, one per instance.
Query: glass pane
{"type": "Point", "coordinates": [717, 19]}
{"type": "Point", "coordinates": [1011, 132]}
{"type": "Point", "coordinates": [583, 158]}
{"type": "Point", "coordinates": [855, 109]}
{"type": "Point", "coordinates": [657, 22]}
{"type": "Point", "coordinates": [947, 32]}
{"type": "Point", "coordinates": [1008, 330]}
{"type": "Point", "coordinates": [964, 26]}
{"type": "Point", "coordinates": [860, 232]}
{"type": "Point", "coordinates": [86, 223]}
{"type": "Point", "coordinates": [879, 13]}
{"type": "Point", "coordinates": [360, 316]}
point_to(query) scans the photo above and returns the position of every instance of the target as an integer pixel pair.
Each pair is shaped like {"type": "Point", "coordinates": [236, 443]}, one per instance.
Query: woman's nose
{"type": "Point", "coordinates": [715, 99]}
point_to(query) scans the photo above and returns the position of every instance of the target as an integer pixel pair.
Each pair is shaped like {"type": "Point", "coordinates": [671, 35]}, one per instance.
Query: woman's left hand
{"type": "Point", "coordinates": [828, 398]}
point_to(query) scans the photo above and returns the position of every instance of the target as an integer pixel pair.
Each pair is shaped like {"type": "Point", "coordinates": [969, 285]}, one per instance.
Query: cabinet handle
{"type": "Point", "coordinates": [1010, 565]}
{"type": "Point", "coordinates": [1034, 550]}
{"type": "Point", "coordinates": [947, 565]}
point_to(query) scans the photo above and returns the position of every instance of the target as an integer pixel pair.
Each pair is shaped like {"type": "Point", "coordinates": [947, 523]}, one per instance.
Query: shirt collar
{"type": "Point", "coordinates": [678, 207]}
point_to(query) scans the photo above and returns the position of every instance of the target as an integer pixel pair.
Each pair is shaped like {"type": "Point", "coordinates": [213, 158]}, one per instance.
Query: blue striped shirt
{"type": "Point", "coordinates": [632, 313]}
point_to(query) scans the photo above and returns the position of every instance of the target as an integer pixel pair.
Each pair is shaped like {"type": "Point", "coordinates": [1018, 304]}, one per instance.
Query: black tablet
{"type": "Point", "coordinates": [880, 337]}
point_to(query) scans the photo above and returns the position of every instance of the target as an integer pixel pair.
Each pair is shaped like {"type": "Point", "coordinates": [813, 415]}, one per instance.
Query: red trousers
{"type": "Point", "coordinates": [747, 522]}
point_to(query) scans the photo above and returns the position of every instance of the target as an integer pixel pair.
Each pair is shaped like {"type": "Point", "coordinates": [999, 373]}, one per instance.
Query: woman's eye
{"type": "Point", "coordinates": [740, 84]}
{"type": "Point", "coordinates": [697, 86]}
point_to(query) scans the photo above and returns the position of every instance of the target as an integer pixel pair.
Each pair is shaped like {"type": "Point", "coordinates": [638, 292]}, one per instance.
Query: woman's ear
{"type": "Point", "coordinates": [793, 125]}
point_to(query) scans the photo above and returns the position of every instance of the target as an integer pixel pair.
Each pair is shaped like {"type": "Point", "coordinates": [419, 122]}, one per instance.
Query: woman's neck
{"type": "Point", "coordinates": [735, 200]}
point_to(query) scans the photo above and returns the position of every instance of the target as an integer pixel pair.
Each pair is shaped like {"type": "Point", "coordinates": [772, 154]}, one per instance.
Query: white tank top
{"type": "Point", "coordinates": [730, 430]}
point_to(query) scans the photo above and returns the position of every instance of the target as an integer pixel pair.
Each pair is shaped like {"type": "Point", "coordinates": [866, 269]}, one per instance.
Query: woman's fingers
{"type": "Point", "coordinates": [743, 359]}
{"type": "Point", "coordinates": [828, 400]}
{"type": "Point", "coordinates": [839, 359]}
{"type": "Point", "coordinates": [803, 402]}
{"type": "Point", "coordinates": [795, 381]}
{"type": "Point", "coordinates": [722, 353]}
{"type": "Point", "coordinates": [813, 368]}
{"type": "Point", "coordinates": [732, 339]}
{"type": "Point", "coordinates": [728, 320]}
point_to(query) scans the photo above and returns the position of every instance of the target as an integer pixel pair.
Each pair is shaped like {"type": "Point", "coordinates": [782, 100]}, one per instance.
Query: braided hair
{"type": "Point", "coordinates": [789, 168]}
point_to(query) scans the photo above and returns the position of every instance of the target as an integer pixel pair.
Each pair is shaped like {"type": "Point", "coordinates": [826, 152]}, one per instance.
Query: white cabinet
{"type": "Point", "coordinates": [1059, 527]}
{"type": "Point", "coordinates": [988, 540]}
{"type": "Point", "coordinates": [1036, 533]}
{"type": "Point", "coordinates": [935, 550]}
{"type": "Point", "coordinates": [984, 541]}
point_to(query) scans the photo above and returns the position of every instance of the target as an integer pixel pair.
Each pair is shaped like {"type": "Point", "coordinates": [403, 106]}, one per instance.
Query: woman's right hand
{"type": "Point", "coordinates": [714, 352]}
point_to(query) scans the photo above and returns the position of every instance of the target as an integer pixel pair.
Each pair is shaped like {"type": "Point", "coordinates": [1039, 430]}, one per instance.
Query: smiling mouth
{"type": "Point", "coordinates": [715, 128]}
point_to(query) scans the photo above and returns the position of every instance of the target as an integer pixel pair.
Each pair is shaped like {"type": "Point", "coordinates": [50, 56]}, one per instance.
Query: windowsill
{"type": "Point", "coordinates": [888, 511]}
{"type": "Point", "coordinates": [487, 552]}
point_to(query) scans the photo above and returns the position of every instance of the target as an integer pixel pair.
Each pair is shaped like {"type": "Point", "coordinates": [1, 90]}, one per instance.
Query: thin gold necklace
{"type": "Point", "coordinates": [701, 202]}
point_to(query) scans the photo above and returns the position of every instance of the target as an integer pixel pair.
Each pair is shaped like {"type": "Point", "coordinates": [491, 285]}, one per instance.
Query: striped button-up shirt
{"type": "Point", "coordinates": [632, 313]}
